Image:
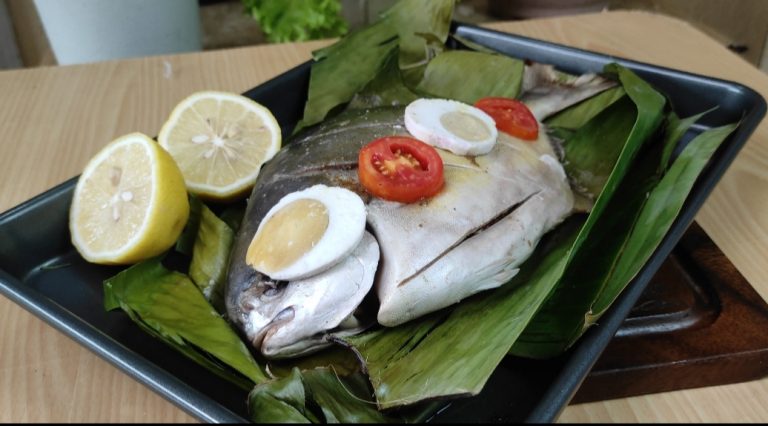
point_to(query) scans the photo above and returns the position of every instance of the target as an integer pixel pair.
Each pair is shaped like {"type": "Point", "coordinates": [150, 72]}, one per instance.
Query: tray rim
{"type": "Point", "coordinates": [581, 358]}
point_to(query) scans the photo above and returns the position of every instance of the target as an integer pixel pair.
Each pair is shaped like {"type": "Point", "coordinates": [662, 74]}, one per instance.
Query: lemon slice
{"type": "Point", "coordinates": [220, 140]}
{"type": "Point", "coordinates": [130, 203]}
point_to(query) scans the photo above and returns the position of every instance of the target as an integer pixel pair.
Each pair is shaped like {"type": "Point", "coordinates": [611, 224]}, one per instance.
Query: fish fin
{"type": "Point", "coordinates": [496, 274]}
{"type": "Point", "coordinates": [546, 91]}
{"type": "Point", "coordinates": [582, 203]}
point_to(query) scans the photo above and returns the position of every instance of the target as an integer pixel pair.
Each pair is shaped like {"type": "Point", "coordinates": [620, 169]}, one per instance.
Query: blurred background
{"type": "Point", "coordinates": [61, 32]}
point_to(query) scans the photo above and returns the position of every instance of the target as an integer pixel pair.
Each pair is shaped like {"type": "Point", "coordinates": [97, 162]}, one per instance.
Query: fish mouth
{"type": "Point", "coordinates": [290, 318]}
{"type": "Point", "coordinates": [284, 316]}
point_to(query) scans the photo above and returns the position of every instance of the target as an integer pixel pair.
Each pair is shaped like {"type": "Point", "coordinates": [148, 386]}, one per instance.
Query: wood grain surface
{"type": "Point", "coordinates": [54, 119]}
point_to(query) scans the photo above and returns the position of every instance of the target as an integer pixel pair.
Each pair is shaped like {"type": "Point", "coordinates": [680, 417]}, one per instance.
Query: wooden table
{"type": "Point", "coordinates": [54, 119]}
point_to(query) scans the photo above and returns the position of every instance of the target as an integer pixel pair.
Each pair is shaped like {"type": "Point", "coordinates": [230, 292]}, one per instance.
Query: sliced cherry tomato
{"type": "Point", "coordinates": [399, 168]}
{"type": "Point", "coordinates": [511, 116]}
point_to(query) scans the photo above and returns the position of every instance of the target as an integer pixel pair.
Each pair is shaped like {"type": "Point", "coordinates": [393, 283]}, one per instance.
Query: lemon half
{"type": "Point", "coordinates": [220, 141]}
{"type": "Point", "coordinates": [130, 203]}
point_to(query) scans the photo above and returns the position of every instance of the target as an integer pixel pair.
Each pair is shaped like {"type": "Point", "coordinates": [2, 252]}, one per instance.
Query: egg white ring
{"type": "Point", "coordinates": [422, 119]}
{"type": "Point", "coordinates": [346, 224]}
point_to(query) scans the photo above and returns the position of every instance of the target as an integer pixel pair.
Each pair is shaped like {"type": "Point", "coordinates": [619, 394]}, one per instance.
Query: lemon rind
{"type": "Point", "coordinates": [130, 245]}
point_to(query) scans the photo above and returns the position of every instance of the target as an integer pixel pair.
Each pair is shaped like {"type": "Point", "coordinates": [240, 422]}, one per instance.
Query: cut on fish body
{"type": "Point", "coordinates": [472, 236]}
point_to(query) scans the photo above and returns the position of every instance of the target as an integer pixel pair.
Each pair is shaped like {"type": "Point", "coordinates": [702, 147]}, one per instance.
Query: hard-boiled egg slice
{"type": "Point", "coordinates": [307, 232]}
{"type": "Point", "coordinates": [451, 125]}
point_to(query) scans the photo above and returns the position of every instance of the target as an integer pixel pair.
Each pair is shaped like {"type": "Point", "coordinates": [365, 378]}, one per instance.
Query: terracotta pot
{"type": "Point", "coordinates": [524, 9]}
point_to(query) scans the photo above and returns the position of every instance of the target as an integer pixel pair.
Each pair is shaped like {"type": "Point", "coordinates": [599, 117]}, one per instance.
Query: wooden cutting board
{"type": "Point", "coordinates": [699, 323]}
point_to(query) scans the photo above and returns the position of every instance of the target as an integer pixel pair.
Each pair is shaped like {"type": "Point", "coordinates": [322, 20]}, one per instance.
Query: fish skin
{"type": "Point", "coordinates": [327, 154]}
{"type": "Point", "coordinates": [513, 190]}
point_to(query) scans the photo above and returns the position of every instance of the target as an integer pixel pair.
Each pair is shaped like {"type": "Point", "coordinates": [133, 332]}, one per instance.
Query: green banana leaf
{"type": "Point", "coordinates": [344, 362]}
{"type": "Point", "coordinates": [456, 354]}
{"type": "Point", "coordinates": [280, 400]}
{"type": "Point", "coordinates": [170, 304]}
{"type": "Point", "coordinates": [661, 209]}
{"type": "Point", "coordinates": [315, 396]}
{"type": "Point", "coordinates": [676, 128]}
{"type": "Point", "coordinates": [625, 240]}
{"type": "Point", "coordinates": [422, 28]}
{"type": "Point", "coordinates": [492, 75]}
{"type": "Point", "coordinates": [560, 320]}
{"type": "Point", "coordinates": [589, 159]}
{"type": "Point", "coordinates": [551, 330]}
{"type": "Point", "coordinates": [650, 107]}
{"type": "Point", "coordinates": [386, 89]}
{"type": "Point", "coordinates": [210, 255]}
{"type": "Point", "coordinates": [360, 56]}
{"type": "Point", "coordinates": [580, 114]}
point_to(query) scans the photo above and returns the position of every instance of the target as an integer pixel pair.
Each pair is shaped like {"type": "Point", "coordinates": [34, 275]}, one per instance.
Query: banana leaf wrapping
{"type": "Point", "coordinates": [619, 148]}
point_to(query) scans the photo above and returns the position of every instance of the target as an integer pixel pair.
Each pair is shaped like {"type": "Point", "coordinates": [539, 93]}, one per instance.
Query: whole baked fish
{"type": "Point", "coordinates": [419, 257]}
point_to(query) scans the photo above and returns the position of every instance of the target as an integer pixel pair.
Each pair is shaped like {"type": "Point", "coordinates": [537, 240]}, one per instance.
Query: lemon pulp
{"type": "Point", "coordinates": [220, 141]}
{"type": "Point", "coordinates": [130, 203]}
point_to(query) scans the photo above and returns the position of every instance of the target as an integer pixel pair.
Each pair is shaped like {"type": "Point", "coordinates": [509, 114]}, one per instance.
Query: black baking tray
{"type": "Point", "coordinates": [41, 271]}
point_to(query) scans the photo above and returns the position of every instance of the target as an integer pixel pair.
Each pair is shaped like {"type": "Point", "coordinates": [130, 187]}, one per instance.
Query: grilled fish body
{"type": "Point", "coordinates": [420, 257]}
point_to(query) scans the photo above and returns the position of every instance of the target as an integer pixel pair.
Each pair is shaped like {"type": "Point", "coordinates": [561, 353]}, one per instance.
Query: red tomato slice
{"type": "Point", "coordinates": [511, 116]}
{"type": "Point", "coordinates": [399, 168]}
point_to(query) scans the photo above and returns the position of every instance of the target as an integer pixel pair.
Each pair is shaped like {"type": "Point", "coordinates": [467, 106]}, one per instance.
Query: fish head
{"type": "Point", "coordinates": [291, 318]}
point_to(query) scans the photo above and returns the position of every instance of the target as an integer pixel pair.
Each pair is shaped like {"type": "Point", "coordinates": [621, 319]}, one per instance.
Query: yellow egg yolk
{"type": "Point", "coordinates": [287, 236]}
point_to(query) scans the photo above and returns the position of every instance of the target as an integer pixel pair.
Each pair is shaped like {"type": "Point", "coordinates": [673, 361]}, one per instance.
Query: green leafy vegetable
{"type": "Point", "coordinates": [170, 305]}
{"type": "Point", "coordinates": [492, 75]}
{"type": "Point", "coordinates": [297, 20]}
